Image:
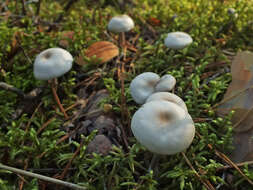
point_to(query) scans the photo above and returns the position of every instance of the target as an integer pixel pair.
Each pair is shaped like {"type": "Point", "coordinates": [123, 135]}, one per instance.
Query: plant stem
{"type": "Point", "coordinates": [57, 99]}
{"type": "Point", "coordinates": [41, 177]}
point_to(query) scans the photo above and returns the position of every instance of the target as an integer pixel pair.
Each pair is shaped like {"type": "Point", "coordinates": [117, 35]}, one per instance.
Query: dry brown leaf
{"type": "Point", "coordinates": [66, 37]}
{"type": "Point", "coordinates": [103, 50]}
{"type": "Point", "coordinates": [239, 98]}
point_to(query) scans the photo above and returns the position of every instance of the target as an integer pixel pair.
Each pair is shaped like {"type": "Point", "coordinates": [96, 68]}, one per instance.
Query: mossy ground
{"type": "Point", "coordinates": [201, 70]}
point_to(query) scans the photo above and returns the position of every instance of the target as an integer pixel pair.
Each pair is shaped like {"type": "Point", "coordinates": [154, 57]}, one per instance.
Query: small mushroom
{"type": "Point", "coordinates": [232, 12]}
{"type": "Point", "coordinates": [145, 84]}
{"type": "Point", "coordinates": [163, 127]}
{"type": "Point", "coordinates": [177, 40]}
{"type": "Point", "coordinates": [121, 23]}
{"type": "Point", "coordinates": [166, 83]}
{"type": "Point", "coordinates": [50, 64]}
{"type": "Point", "coordinates": [167, 96]}
{"type": "Point", "coordinates": [142, 86]}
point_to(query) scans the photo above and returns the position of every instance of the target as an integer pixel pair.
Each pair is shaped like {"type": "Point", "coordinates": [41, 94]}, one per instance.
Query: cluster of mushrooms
{"type": "Point", "coordinates": [162, 124]}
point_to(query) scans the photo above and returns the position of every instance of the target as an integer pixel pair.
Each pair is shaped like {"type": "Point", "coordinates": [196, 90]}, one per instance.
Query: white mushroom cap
{"type": "Point", "coordinates": [143, 85]}
{"type": "Point", "coordinates": [163, 127]}
{"type": "Point", "coordinates": [177, 40]}
{"type": "Point", "coordinates": [231, 11]}
{"type": "Point", "coordinates": [121, 23]}
{"type": "Point", "coordinates": [167, 96]}
{"type": "Point", "coordinates": [166, 83]}
{"type": "Point", "coordinates": [52, 63]}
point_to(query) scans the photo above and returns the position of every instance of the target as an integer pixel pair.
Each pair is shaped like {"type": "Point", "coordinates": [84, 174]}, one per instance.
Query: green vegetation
{"type": "Point", "coordinates": [202, 77]}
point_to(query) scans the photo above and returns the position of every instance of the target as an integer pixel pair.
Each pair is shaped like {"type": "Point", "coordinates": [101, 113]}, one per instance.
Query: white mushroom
{"type": "Point", "coordinates": [167, 96]}
{"type": "Point", "coordinates": [166, 83]}
{"type": "Point", "coordinates": [121, 23]}
{"type": "Point", "coordinates": [232, 12]}
{"type": "Point", "coordinates": [163, 127]}
{"type": "Point", "coordinates": [177, 40]}
{"type": "Point", "coordinates": [143, 85]}
{"type": "Point", "coordinates": [50, 64]}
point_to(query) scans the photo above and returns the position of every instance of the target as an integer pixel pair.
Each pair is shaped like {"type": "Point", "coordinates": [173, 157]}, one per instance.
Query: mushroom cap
{"type": "Point", "coordinates": [121, 23]}
{"type": "Point", "coordinates": [231, 11]}
{"type": "Point", "coordinates": [166, 83]}
{"type": "Point", "coordinates": [142, 86]}
{"type": "Point", "coordinates": [163, 127]}
{"type": "Point", "coordinates": [167, 96]}
{"type": "Point", "coordinates": [177, 40]}
{"type": "Point", "coordinates": [52, 63]}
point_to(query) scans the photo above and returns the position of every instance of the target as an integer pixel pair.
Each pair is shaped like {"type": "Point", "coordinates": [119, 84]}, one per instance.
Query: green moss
{"type": "Point", "coordinates": [205, 21]}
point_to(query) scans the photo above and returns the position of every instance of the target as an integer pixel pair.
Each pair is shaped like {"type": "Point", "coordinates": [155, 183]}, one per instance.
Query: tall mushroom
{"type": "Point", "coordinates": [50, 64]}
{"type": "Point", "coordinates": [121, 24]}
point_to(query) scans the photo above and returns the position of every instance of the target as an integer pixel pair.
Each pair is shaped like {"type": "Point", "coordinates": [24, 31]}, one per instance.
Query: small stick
{"type": "Point", "coordinates": [237, 164]}
{"type": "Point", "coordinates": [41, 177]}
{"type": "Point", "coordinates": [207, 184]}
{"type": "Point", "coordinates": [11, 88]}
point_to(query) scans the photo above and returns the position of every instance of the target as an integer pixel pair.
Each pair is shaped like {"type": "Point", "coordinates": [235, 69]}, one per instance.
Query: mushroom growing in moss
{"type": "Point", "coordinates": [163, 127]}
{"type": "Point", "coordinates": [50, 64]}
{"type": "Point", "coordinates": [177, 40]}
{"type": "Point", "coordinates": [147, 83]}
{"type": "Point", "coordinates": [121, 24]}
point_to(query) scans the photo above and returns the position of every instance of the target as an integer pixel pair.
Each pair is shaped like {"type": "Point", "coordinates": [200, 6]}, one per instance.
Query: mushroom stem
{"type": "Point", "coordinates": [53, 86]}
{"type": "Point", "coordinates": [153, 162]}
{"type": "Point", "coordinates": [123, 44]}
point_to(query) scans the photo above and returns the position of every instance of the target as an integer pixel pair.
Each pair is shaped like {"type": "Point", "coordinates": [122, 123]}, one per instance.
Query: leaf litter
{"type": "Point", "coordinates": [238, 97]}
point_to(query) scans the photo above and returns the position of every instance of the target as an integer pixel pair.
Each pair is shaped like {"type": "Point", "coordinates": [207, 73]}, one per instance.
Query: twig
{"type": "Point", "coordinates": [45, 125]}
{"type": "Point", "coordinates": [207, 184]}
{"type": "Point", "coordinates": [63, 174]}
{"type": "Point", "coordinates": [226, 159]}
{"type": "Point", "coordinates": [11, 88]}
{"type": "Point", "coordinates": [41, 177]}
{"type": "Point", "coordinates": [238, 164]}
{"type": "Point", "coordinates": [21, 185]}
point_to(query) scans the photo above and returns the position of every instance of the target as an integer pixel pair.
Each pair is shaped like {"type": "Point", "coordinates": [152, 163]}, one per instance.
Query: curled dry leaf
{"type": "Point", "coordinates": [103, 50]}
{"type": "Point", "coordinates": [239, 98]}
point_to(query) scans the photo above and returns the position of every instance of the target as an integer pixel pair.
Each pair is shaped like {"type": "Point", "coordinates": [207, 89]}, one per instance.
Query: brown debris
{"type": "Point", "coordinates": [100, 145]}
{"type": "Point", "coordinates": [239, 98]}
{"type": "Point", "coordinates": [104, 51]}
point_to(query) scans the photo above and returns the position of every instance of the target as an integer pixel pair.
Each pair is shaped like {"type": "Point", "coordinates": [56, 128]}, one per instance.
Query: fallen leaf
{"type": "Point", "coordinates": [103, 51]}
{"type": "Point", "coordinates": [67, 36]}
{"type": "Point", "coordinates": [239, 97]}
{"type": "Point", "coordinates": [154, 21]}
